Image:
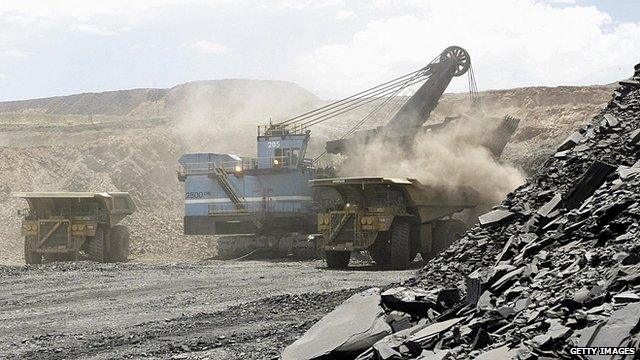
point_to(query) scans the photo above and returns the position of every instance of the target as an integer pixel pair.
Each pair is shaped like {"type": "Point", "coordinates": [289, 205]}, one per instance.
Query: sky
{"type": "Point", "coordinates": [331, 47]}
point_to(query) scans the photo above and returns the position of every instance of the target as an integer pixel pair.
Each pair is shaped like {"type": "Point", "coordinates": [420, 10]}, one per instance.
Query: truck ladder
{"type": "Point", "coordinates": [223, 179]}
{"type": "Point", "coordinates": [343, 221]}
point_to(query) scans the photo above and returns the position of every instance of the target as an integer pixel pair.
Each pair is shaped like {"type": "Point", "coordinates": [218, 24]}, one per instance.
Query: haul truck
{"type": "Point", "coordinates": [392, 219]}
{"type": "Point", "coordinates": [63, 225]}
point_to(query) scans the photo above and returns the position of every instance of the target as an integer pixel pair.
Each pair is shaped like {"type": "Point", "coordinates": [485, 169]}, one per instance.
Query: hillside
{"type": "Point", "coordinates": [130, 140]}
{"type": "Point", "coordinates": [207, 95]}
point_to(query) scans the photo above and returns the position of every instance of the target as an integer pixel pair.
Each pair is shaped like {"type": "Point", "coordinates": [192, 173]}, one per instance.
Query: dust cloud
{"type": "Point", "coordinates": [221, 116]}
{"type": "Point", "coordinates": [447, 161]}
{"type": "Point", "coordinates": [203, 129]}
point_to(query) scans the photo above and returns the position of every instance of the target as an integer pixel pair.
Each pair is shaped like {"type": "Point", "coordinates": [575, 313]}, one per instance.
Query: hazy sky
{"type": "Point", "coordinates": [331, 47]}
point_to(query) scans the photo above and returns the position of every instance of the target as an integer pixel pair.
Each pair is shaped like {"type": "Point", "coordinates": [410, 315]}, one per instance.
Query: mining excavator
{"type": "Point", "coordinates": [273, 201]}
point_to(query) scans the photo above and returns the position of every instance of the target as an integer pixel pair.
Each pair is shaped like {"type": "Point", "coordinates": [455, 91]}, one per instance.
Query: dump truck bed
{"type": "Point", "coordinates": [118, 204]}
{"type": "Point", "coordinates": [430, 202]}
{"type": "Point", "coordinates": [65, 194]}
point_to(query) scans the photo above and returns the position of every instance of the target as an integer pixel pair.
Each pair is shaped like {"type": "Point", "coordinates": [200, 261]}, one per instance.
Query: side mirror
{"type": "Point", "coordinates": [19, 212]}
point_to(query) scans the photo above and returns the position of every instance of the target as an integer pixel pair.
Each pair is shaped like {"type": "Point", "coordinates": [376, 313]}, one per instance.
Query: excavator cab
{"type": "Point", "coordinates": [282, 147]}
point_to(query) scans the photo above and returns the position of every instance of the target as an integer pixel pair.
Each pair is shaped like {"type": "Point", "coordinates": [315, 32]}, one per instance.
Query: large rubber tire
{"type": "Point", "coordinates": [380, 258]}
{"type": "Point", "coordinates": [119, 250]}
{"type": "Point", "coordinates": [30, 257]}
{"type": "Point", "coordinates": [414, 236]}
{"type": "Point", "coordinates": [445, 233]}
{"type": "Point", "coordinates": [400, 246]}
{"type": "Point", "coordinates": [96, 246]}
{"type": "Point", "coordinates": [380, 249]}
{"type": "Point", "coordinates": [337, 259]}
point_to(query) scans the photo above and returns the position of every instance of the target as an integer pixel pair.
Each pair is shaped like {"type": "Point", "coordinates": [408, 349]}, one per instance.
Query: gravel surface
{"type": "Point", "coordinates": [215, 309]}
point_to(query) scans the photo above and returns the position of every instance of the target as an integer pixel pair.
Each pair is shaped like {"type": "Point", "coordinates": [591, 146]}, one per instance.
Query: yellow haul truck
{"type": "Point", "coordinates": [392, 219]}
{"type": "Point", "coordinates": [62, 225]}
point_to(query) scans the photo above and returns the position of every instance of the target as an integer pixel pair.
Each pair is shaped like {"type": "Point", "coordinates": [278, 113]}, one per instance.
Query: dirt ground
{"type": "Point", "coordinates": [187, 310]}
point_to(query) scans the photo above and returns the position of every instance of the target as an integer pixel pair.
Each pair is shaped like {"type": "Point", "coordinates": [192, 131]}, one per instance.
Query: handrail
{"type": "Point", "coordinates": [282, 129]}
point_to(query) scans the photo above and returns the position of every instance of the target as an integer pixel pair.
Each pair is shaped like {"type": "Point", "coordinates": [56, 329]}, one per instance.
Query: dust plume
{"type": "Point", "coordinates": [221, 116]}
{"type": "Point", "coordinates": [446, 161]}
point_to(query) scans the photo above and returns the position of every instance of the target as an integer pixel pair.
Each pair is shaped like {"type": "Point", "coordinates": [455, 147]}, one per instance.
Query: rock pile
{"type": "Point", "coordinates": [553, 269]}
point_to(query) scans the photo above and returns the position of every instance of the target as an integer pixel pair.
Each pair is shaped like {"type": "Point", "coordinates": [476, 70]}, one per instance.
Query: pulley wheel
{"type": "Point", "coordinates": [460, 56]}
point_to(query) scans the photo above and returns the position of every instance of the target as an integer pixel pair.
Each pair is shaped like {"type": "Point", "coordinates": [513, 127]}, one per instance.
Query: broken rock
{"type": "Point", "coordinates": [570, 142]}
{"type": "Point", "coordinates": [501, 353]}
{"type": "Point", "coordinates": [615, 332]}
{"type": "Point", "coordinates": [494, 217]}
{"type": "Point", "coordinates": [433, 330]}
{"type": "Point", "coordinates": [611, 120]}
{"type": "Point", "coordinates": [355, 325]}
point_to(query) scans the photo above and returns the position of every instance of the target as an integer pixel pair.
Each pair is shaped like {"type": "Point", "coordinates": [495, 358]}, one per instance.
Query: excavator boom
{"type": "Point", "coordinates": [453, 61]}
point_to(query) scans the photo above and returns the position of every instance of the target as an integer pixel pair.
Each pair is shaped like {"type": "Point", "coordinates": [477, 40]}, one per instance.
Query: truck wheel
{"type": "Point", "coordinates": [445, 233]}
{"type": "Point", "coordinates": [379, 257]}
{"type": "Point", "coordinates": [119, 251]}
{"type": "Point", "coordinates": [379, 251]}
{"type": "Point", "coordinates": [29, 256]}
{"type": "Point", "coordinates": [400, 246]}
{"type": "Point", "coordinates": [96, 246]}
{"type": "Point", "coordinates": [414, 242]}
{"type": "Point", "coordinates": [337, 259]}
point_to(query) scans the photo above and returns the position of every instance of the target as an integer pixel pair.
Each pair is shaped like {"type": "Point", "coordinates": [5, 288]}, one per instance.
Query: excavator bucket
{"type": "Point", "coordinates": [499, 135]}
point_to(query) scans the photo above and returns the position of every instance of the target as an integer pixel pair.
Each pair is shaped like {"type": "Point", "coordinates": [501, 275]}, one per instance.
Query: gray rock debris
{"type": "Point", "coordinates": [494, 217]}
{"type": "Point", "coordinates": [555, 265]}
{"type": "Point", "coordinates": [615, 332]}
{"type": "Point", "coordinates": [573, 140]}
{"type": "Point", "coordinates": [353, 326]}
{"type": "Point", "coordinates": [501, 353]}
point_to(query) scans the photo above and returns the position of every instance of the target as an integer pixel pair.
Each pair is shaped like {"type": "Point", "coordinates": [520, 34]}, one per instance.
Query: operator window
{"type": "Point", "coordinates": [278, 158]}
{"type": "Point", "coordinates": [295, 156]}
{"type": "Point", "coordinates": [287, 157]}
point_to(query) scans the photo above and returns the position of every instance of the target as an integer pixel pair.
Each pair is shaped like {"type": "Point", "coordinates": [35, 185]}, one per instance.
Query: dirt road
{"type": "Point", "coordinates": [211, 309]}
